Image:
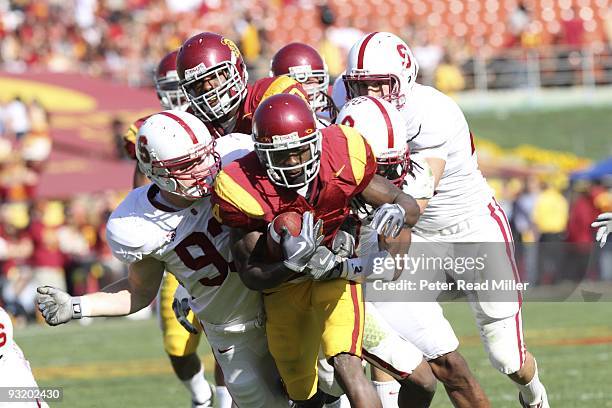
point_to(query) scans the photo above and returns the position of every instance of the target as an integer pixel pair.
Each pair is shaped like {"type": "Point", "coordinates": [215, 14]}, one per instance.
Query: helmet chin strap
{"type": "Point", "coordinates": [229, 123]}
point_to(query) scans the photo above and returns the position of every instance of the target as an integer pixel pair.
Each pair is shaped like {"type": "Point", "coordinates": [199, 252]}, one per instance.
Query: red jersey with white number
{"type": "Point", "coordinates": [191, 244]}
{"type": "Point", "coordinates": [437, 128]}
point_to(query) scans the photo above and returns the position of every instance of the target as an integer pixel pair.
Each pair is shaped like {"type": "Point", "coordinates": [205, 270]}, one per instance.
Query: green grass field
{"type": "Point", "coordinates": [582, 131]}
{"type": "Point", "coordinates": [120, 363]}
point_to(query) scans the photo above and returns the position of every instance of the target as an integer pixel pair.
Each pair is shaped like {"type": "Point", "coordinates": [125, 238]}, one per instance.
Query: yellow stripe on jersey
{"type": "Point", "coordinates": [280, 85]}
{"type": "Point", "coordinates": [232, 192]}
{"type": "Point", "coordinates": [357, 151]}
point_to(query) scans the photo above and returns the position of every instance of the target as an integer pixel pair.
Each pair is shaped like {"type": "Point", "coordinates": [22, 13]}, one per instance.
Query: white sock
{"type": "Point", "coordinates": [223, 397]}
{"type": "Point", "coordinates": [341, 402]}
{"type": "Point", "coordinates": [198, 387]}
{"type": "Point", "coordinates": [388, 392]}
{"type": "Point", "coordinates": [532, 391]}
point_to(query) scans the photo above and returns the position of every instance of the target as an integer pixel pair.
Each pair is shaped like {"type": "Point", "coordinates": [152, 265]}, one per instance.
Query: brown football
{"type": "Point", "coordinates": [292, 221]}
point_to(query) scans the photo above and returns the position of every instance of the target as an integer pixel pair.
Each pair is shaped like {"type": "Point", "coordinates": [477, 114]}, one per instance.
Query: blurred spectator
{"type": "Point", "coordinates": [428, 53]}
{"type": "Point", "coordinates": [608, 26]}
{"type": "Point", "coordinates": [16, 117]}
{"type": "Point", "coordinates": [38, 117]}
{"type": "Point", "coordinates": [183, 6]}
{"type": "Point", "coordinates": [550, 216]}
{"type": "Point", "coordinates": [579, 232]}
{"type": "Point", "coordinates": [572, 28]}
{"type": "Point", "coordinates": [448, 77]}
{"type": "Point", "coordinates": [525, 231]}
{"type": "Point", "coordinates": [47, 259]}
{"type": "Point", "coordinates": [518, 22]}
{"type": "Point", "coordinates": [249, 43]}
{"type": "Point", "coordinates": [16, 282]}
{"type": "Point", "coordinates": [17, 181]}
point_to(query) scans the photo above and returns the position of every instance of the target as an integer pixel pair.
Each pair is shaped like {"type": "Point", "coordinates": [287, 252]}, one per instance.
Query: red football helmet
{"type": "Point", "coordinates": [287, 140]}
{"type": "Point", "coordinates": [304, 64]}
{"type": "Point", "coordinates": [212, 75]}
{"type": "Point", "coordinates": [167, 84]}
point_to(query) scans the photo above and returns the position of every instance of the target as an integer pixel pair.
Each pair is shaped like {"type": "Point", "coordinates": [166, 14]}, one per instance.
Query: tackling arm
{"type": "Point", "coordinates": [381, 191]}
{"type": "Point", "coordinates": [437, 168]}
{"type": "Point", "coordinates": [120, 298]}
{"type": "Point", "coordinates": [247, 250]}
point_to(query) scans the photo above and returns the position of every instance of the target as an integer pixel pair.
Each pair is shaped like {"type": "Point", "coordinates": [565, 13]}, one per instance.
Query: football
{"type": "Point", "coordinates": [292, 221]}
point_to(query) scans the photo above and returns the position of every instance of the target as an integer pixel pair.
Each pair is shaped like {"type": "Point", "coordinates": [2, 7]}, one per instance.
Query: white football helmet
{"type": "Point", "coordinates": [381, 57]}
{"type": "Point", "coordinates": [177, 152]}
{"type": "Point", "coordinates": [385, 130]}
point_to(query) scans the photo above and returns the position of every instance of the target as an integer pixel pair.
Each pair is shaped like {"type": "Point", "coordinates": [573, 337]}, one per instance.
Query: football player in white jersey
{"type": "Point", "coordinates": [463, 208]}
{"type": "Point", "coordinates": [383, 127]}
{"type": "Point", "coordinates": [180, 345]}
{"type": "Point", "coordinates": [168, 225]}
{"type": "Point", "coordinates": [15, 370]}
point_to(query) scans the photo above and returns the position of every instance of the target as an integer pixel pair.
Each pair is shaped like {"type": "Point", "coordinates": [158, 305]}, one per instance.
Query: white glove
{"type": "Point", "coordinates": [331, 264]}
{"type": "Point", "coordinates": [604, 225]}
{"type": "Point", "coordinates": [388, 220]}
{"type": "Point", "coordinates": [57, 306]}
{"type": "Point", "coordinates": [181, 308]}
{"type": "Point", "coordinates": [324, 265]}
{"type": "Point", "coordinates": [298, 250]}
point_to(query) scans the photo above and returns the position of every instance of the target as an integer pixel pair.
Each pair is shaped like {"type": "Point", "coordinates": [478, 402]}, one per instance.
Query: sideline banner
{"type": "Point", "coordinates": [82, 109]}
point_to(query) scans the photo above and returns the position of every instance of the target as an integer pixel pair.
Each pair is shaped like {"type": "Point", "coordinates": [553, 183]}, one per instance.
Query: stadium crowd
{"type": "Point", "coordinates": [64, 240]}
{"type": "Point", "coordinates": [96, 36]}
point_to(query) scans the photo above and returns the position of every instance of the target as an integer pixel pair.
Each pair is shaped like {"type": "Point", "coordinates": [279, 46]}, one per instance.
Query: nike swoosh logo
{"type": "Point", "coordinates": [301, 245]}
{"type": "Point", "coordinates": [336, 174]}
{"type": "Point", "coordinates": [225, 350]}
{"type": "Point", "coordinates": [323, 261]}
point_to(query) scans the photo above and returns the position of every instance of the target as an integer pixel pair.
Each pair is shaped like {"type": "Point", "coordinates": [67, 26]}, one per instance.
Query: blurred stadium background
{"type": "Point", "coordinates": [534, 78]}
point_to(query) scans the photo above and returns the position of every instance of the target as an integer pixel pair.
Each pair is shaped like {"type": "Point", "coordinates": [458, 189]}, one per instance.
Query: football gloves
{"type": "Point", "coordinates": [298, 250]}
{"type": "Point", "coordinates": [57, 306]}
{"type": "Point", "coordinates": [181, 308]}
{"type": "Point", "coordinates": [388, 220]}
{"type": "Point", "coordinates": [328, 264]}
{"type": "Point", "coordinates": [603, 223]}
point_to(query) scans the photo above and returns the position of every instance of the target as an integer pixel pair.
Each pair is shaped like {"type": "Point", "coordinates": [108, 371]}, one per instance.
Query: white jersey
{"type": "Point", "coordinates": [437, 128]}
{"type": "Point", "coordinates": [191, 244]}
{"type": "Point", "coordinates": [15, 370]}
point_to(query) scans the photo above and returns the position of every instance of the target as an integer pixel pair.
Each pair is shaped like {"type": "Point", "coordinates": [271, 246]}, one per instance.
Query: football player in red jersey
{"type": "Point", "coordinates": [213, 76]}
{"type": "Point", "coordinates": [179, 344]}
{"type": "Point", "coordinates": [296, 167]}
{"type": "Point", "coordinates": [304, 64]}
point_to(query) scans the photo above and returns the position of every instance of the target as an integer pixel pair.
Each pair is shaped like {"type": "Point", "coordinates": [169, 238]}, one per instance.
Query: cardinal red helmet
{"type": "Point", "coordinates": [304, 64]}
{"type": "Point", "coordinates": [212, 75]}
{"type": "Point", "coordinates": [167, 84]}
{"type": "Point", "coordinates": [287, 140]}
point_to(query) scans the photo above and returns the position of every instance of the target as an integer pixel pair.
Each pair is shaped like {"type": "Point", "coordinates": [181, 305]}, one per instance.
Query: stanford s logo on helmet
{"type": "Point", "coordinates": [212, 75]}
{"type": "Point", "coordinates": [167, 86]}
{"type": "Point", "coordinates": [381, 57]}
{"type": "Point", "coordinates": [176, 151]}
{"type": "Point", "coordinates": [304, 64]}
{"type": "Point", "coordinates": [287, 140]}
{"type": "Point", "coordinates": [383, 126]}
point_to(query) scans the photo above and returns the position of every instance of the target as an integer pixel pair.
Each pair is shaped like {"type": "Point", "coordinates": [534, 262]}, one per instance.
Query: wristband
{"type": "Point", "coordinates": [77, 309]}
